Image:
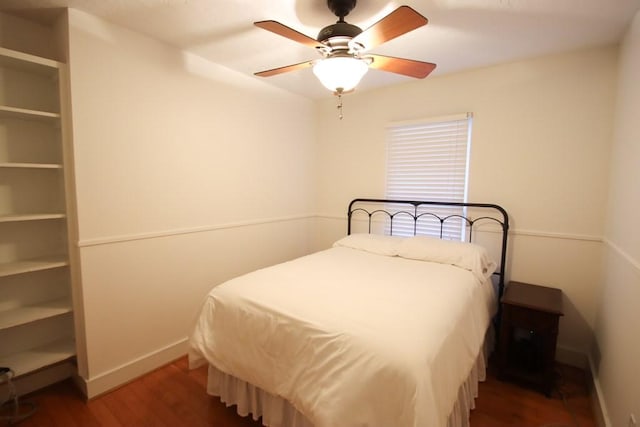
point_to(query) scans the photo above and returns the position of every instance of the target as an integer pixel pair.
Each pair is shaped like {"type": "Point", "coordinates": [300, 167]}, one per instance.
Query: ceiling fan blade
{"type": "Point", "coordinates": [406, 67]}
{"type": "Point", "coordinates": [400, 21]}
{"type": "Point", "coordinates": [285, 69]}
{"type": "Point", "coordinates": [290, 33]}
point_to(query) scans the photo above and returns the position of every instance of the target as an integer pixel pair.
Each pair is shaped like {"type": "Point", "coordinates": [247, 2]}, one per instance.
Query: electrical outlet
{"type": "Point", "coordinates": [632, 421]}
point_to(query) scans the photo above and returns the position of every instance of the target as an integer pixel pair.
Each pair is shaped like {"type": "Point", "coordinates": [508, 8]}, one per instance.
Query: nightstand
{"type": "Point", "coordinates": [528, 334]}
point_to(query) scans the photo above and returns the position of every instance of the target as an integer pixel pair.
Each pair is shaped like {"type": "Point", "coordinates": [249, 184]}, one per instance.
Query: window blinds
{"type": "Point", "coordinates": [428, 160]}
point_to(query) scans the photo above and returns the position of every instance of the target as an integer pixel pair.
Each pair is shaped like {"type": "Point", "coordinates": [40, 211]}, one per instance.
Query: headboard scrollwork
{"type": "Point", "coordinates": [410, 217]}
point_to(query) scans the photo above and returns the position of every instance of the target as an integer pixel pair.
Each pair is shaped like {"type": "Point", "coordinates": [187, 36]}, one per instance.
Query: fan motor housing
{"type": "Point", "coordinates": [341, 29]}
{"type": "Point", "coordinates": [341, 8]}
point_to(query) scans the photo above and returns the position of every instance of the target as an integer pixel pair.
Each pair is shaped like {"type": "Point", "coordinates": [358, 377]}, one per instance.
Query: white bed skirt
{"type": "Point", "coordinates": [278, 412]}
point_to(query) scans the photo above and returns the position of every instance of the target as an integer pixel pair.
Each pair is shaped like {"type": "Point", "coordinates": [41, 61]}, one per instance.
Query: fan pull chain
{"type": "Point", "coordinates": [339, 105]}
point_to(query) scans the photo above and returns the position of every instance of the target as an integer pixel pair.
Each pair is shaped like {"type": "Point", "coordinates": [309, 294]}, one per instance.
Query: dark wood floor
{"type": "Point", "coordinates": [506, 404]}
{"type": "Point", "coordinates": [174, 396]}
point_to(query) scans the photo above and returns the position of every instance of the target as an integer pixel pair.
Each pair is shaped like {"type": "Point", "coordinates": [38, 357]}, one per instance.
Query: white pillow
{"type": "Point", "coordinates": [469, 256]}
{"type": "Point", "coordinates": [374, 243]}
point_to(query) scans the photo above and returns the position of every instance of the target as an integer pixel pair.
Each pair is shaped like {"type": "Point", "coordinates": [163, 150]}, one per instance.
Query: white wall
{"type": "Point", "coordinates": [541, 142]}
{"type": "Point", "coordinates": [186, 174]}
{"type": "Point", "coordinates": [617, 354]}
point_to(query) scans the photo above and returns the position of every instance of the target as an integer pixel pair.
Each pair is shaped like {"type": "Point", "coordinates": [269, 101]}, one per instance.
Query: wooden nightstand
{"type": "Point", "coordinates": [528, 334]}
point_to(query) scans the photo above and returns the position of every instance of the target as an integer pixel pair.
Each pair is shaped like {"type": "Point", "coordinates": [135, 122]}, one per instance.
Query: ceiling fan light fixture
{"type": "Point", "coordinates": [340, 73]}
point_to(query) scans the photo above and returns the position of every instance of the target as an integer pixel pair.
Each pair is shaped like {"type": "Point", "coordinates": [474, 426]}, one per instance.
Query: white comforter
{"type": "Point", "coordinates": [350, 338]}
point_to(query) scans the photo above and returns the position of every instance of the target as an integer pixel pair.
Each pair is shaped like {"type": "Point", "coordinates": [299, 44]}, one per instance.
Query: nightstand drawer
{"type": "Point", "coordinates": [531, 319]}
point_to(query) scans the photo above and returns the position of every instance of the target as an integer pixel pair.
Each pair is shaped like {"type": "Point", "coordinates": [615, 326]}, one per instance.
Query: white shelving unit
{"type": "Point", "coordinates": [32, 265]}
{"type": "Point", "coordinates": [31, 313]}
{"type": "Point", "coordinates": [23, 113]}
{"type": "Point", "coordinates": [31, 165]}
{"type": "Point", "coordinates": [36, 310]}
{"type": "Point", "coordinates": [36, 358]}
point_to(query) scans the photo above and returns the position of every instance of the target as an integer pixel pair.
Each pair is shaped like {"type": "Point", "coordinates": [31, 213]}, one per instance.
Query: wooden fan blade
{"type": "Point", "coordinates": [285, 69]}
{"type": "Point", "coordinates": [406, 67]}
{"type": "Point", "coordinates": [290, 33]}
{"type": "Point", "coordinates": [400, 21]}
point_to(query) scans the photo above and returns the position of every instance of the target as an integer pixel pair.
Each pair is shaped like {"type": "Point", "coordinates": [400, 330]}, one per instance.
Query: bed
{"type": "Point", "coordinates": [378, 330]}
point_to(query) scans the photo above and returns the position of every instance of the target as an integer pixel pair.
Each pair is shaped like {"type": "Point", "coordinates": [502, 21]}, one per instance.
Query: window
{"type": "Point", "coordinates": [429, 160]}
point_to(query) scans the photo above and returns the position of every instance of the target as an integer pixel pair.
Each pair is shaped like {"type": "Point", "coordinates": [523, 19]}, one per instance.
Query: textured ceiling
{"type": "Point", "coordinates": [461, 34]}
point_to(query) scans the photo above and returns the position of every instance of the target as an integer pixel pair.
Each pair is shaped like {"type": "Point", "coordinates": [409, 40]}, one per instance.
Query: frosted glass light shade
{"type": "Point", "coordinates": [342, 72]}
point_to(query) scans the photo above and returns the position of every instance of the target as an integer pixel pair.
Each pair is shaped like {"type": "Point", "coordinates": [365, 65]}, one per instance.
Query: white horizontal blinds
{"type": "Point", "coordinates": [428, 160]}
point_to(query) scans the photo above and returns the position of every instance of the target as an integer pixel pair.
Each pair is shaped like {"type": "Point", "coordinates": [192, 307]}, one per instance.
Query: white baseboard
{"type": "Point", "coordinates": [114, 378]}
{"type": "Point", "coordinates": [580, 360]}
{"type": "Point", "coordinates": [597, 398]}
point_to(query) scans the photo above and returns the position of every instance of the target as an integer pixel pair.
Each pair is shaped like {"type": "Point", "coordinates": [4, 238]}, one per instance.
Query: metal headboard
{"type": "Point", "coordinates": [414, 210]}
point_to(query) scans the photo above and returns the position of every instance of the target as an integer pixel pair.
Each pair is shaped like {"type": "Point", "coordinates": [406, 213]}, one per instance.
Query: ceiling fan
{"type": "Point", "coordinates": [343, 46]}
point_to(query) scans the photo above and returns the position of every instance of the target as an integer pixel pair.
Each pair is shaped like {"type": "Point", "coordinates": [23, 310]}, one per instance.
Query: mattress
{"type": "Point", "coordinates": [349, 337]}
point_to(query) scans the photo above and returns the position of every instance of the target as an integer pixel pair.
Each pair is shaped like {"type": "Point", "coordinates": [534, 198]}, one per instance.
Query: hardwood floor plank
{"type": "Point", "coordinates": [146, 397]}
{"type": "Point", "coordinates": [174, 396]}
{"type": "Point", "coordinates": [102, 412]}
{"type": "Point", "coordinates": [508, 404]}
{"type": "Point", "coordinates": [121, 412]}
{"type": "Point", "coordinates": [64, 407]}
{"type": "Point", "coordinates": [73, 404]}
{"type": "Point", "coordinates": [138, 403]}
